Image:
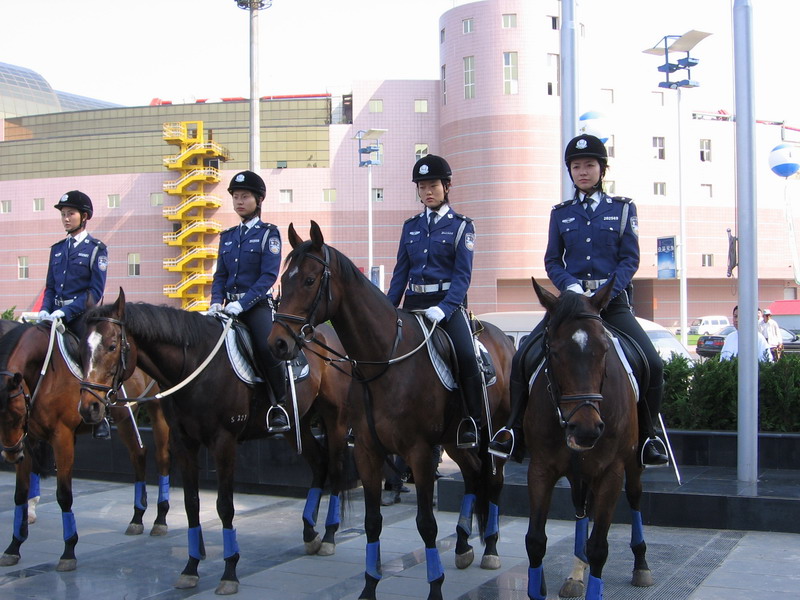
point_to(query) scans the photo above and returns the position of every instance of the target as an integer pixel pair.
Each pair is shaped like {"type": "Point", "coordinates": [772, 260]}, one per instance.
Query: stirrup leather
{"type": "Point", "coordinates": [279, 408]}
{"type": "Point", "coordinates": [466, 422]}
{"type": "Point", "coordinates": [662, 450]}
{"type": "Point", "coordinates": [499, 453]}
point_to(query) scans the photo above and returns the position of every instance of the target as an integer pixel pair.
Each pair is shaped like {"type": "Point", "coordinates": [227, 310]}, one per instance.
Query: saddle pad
{"type": "Point", "coordinates": [68, 345]}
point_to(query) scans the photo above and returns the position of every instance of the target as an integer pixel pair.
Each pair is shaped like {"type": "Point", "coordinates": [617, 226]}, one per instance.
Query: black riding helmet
{"type": "Point", "coordinates": [431, 167]}
{"type": "Point", "coordinates": [247, 180]}
{"type": "Point", "coordinates": [587, 146]}
{"type": "Point", "coordinates": [77, 200]}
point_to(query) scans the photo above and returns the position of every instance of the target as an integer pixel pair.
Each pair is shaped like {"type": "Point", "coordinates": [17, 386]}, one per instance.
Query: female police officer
{"type": "Point", "coordinates": [247, 267]}
{"type": "Point", "coordinates": [433, 271]}
{"type": "Point", "coordinates": [592, 237]}
{"type": "Point", "coordinates": [76, 270]}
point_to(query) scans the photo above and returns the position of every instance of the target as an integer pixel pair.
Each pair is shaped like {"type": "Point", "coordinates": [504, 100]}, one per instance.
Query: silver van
{"type": "Point", "coordinates": [708, 325]}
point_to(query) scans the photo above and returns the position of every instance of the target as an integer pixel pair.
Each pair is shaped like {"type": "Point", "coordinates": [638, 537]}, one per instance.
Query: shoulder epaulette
{"type": "Point", "coordinates": [622, 199]}
{"type": "Point", "coordinates": [99, 244]}
{"type": "Point", "coordinates": [564, 203]}
{"type": "Point", "coordinates": [265, 224]}
{"type": "Point", "coordinates": [409, 219]}
{"type": "Point", "coordinates": [462, 217]}
{"type": "Point", "coordinates": [229, 229]}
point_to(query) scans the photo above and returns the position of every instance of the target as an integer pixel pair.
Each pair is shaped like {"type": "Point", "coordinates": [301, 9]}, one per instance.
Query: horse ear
{"type": "Point", "coordinates": [119, 305]}
{"type": "Point", "coordinates": [317, 238]}
{"type": "Point", "coordinates": [547, 299]}
{"type": "Point", "coordinates": [602, 296]}
{"type": "Point", "coordinates": [294, 239]}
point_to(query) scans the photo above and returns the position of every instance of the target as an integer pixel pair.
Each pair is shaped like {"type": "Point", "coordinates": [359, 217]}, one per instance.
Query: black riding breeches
{"type": "Point", "coordinates": [259, 321]}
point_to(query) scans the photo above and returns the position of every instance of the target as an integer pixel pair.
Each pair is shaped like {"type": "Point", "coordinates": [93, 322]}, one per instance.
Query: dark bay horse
{"type": "Point", "coordinates": [35, 407]}
{"type": "Point", "coordinates": [398, 404]}
{"type": "Point", "coordinates": [581, 422]}
{"type": "Point", "coordinates": [214, 409]}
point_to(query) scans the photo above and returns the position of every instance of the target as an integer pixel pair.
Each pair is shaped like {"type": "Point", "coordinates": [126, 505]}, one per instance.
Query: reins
{"type": "Point", "coordinates": [20, 390]}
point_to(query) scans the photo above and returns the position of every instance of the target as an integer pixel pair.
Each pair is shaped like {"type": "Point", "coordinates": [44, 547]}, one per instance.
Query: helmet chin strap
{"type": "Point", "coordinates": [82, 225]}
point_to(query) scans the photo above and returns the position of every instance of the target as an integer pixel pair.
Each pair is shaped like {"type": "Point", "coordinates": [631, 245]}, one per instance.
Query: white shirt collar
{"type": "Point", "coordinates": [443, 210]}
{"type": "Point", "coordinates": [594, 198]}
{"type": "Point", "coordinates": [79, 238]}
{"type": "Point", "coordinates": [250, 223]}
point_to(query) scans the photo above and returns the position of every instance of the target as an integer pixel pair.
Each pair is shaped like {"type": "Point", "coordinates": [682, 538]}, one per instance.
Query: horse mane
{"type": "Point", "coordinates": [9, 341]}
{"type": "Point", "coordinates": [159, 323]}
{"type": "Point", "coordinates": [569, 305]}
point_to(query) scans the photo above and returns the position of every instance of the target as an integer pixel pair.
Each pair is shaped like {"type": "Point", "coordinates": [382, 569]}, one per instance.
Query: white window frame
{"type": "Point", "coordinates": [707, 260]}
{"type": "Point", "coordinates": [660, 147]}
{"type": "Point", "coordinates": [510, 73]}
{"type": "Point", "coordinates": [659, 188]}
{"type": "Point", "coordinates": [5, 206]}
{"type": "Point", "coordinates": [156, 198]}
{"type": "Point", "coordinates": [329, 195]}
{"type": "Point", "coordinates": [469, 77]}
{"type": "Point", "coordinates": [510, 21]}
{"type": "Point", "coordinates": [466, 25]}
{"type": "Point", "coordinates": [23, 269]}
{"type": "Point", "coordinates": [377, 194]}
{"type": "Point", "coordinates": [134, 264]}
{"type": "Point", "coordinates": [285, 196]}
{"type": "Point", "coordinates": [707, 189]}
{"type": "Point", "coordinates": [420, 105]}
{"type": "Point", "coordinates": [38, 205]}
{"type": "Point", "coordinates": [376, 105]}
{"type": "Point", "coordinates": [444, 84]}
{"type": "Point", "coordinates": [420, 150]}
{"type": "Point", "coordinates": [705, 150]}
{"type": "Point", "coordinates": [113, 201]}
{"type": "Point", "coordinates": [554, 87]}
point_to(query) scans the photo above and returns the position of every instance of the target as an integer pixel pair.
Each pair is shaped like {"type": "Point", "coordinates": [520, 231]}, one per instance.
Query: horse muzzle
{"type": "Point", "coordinates": [583, 426]}
{"type": "Point", "coordinates": [91, 407]}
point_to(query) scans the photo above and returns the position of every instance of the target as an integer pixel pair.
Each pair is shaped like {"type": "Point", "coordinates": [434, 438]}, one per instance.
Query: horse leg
{"type": "Point", "coordinates": [161, 439]}
{"type": "Point", "coordinates": [34, 494]}
{"type": "Point", "coordinates": [336, 450]}
{"type": "Point", "coordinates": [573, 586]}
{"type": "Point", "coordinates": [138, 456]}
{"type": "Point", "coordinates": [369, 466]}
{"type": "Point", "coordinates": [312, 454]}
{"type": "Point", "coordinates": [63, 442]}
{"type": "Point", "coordinates": [11, 555]}
{"type": "Point", "coordinates": [187, 457]}
{"type": "Point", "coordinates": [540, 490]}
{"type": "Point", "coordinates": [467, 464]}
{"type": "Point", "coordinates": [605, 497]}
{"type": "Point", "coordinates": [492, 468]}
{"type": "Point", "coordinates": [422, 469]}
{"type": "Point", "coordinates": [225, 459]}
{"type": "Point", "coordinates": [642, 577]}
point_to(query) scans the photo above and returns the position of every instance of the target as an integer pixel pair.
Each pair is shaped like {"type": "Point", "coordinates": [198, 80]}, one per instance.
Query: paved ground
{"type": "Point", "coordinates": [687, 563]}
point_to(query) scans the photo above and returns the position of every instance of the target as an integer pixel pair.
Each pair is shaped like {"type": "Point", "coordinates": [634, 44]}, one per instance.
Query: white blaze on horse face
{"type": "Point", "coordinates": [93, 341]}
{"type": "Point", "coordinates": [292, 272]}
{"type": "Point", "coordinates": [581, 338]}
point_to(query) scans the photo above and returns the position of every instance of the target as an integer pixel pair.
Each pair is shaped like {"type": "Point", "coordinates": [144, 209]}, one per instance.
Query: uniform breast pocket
{"type": "Point", "coordinates": [610, 235]}
{"type": "Point", "coordinates": [251, 257]}
{"type": "Point", "coordinates": [412, 246]}
{"type": "Point", "coordinates": [570, 237]}
{"type": "Point", "coordinates": [443, 246]}
{"type": "Point", "coordinates": [79, 264]}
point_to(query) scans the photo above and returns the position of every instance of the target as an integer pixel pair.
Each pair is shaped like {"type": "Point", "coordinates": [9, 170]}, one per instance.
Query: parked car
{"type": "Point", "coordinates": [711, 345]}
{"type": "Point", "coordinates": [664, 341]}
{"type": "Point", "coordinates": [708, 325]}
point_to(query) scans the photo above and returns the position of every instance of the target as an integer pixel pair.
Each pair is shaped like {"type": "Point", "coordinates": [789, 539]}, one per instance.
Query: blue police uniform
{"type": "Point", "coordinates": [74, 271]}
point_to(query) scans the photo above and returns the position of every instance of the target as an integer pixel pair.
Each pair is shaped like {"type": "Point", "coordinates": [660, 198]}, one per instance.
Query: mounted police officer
{"type": "Point", "coordinates": [433, 272]}
{"type": "Point", "coordinates": [592, 236]}
{"type": "Point", "coordinates": [247, 267]}
{"type": "Point", "coordinates": [76, 271]}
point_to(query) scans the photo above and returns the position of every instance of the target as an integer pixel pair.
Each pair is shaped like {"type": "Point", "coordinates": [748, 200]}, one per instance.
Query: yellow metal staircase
{"type": "Point", "coordinates": [196, 166]}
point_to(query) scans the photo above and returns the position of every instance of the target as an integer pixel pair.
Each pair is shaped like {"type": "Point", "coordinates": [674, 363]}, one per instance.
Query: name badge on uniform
{"type": "Point", "coordinates": [469, 241]}
{"type": "Point", "coordinates": [254, 241]}
{"type": "Point", "coordinates": [413, 233]}
{"type": "Point", "coordinates": [274, 245]}
{"type": "Point", "coordinates": [568, 220]}
{"type": "Point", "coordinates": [611, 218]}
{"type": "Point", "coordinates": [102, 263]}
{"type": "Point", "coordinates": [83, 254]}
{"type": "Point", "coordinates": [227, 243]}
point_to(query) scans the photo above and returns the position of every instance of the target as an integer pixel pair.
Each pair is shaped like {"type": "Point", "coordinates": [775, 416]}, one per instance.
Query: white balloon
{"type": "Point", "coordinates": [596, 124]}
{"type": "Point", "coordinates": [784, 160]}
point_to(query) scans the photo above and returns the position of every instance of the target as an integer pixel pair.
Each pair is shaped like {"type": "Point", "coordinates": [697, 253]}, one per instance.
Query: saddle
{"type": "Point", "coordinates": [68, 345]}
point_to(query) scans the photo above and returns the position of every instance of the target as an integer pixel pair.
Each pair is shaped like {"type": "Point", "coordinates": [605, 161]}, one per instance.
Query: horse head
{"type": "Point", "coordinates": [305, 299]}
{"type": "Point", "coordinates": [577, 345]}
{"type": "Point", "coordinates": [107, 357]}
{"type": "Point", "coordinates": [13, 416]}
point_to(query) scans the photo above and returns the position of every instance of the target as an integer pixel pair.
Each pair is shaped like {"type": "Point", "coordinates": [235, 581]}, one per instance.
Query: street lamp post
{"type": "Point", "coordinates": [666, 45]}
{"type": "Point", "coordinates": [365, 159]}
{"type": "Point", "coordinates": [255, 116]}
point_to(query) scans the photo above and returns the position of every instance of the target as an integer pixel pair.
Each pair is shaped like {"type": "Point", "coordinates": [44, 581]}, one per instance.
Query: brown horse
{"type": "Point", "coordinates": [581, 423]}
{"type": "Point", "coordinates": [400, 406]}
{"type": "Point", "coordinates": [213, 408]}
{"type": "Point", "coordinates": [35, 407]}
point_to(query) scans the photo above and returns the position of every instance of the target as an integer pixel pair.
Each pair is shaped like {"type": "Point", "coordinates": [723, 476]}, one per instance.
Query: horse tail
{"type": "Point", "coordinates": [42, 457]}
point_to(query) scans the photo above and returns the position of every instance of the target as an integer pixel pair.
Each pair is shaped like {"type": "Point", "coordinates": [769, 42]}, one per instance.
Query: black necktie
{"type": "Point", "coordinates": [587, 204]}
{"type": "Point", "coordinates": [69, 246]}
{"type": "Point", "coordinates": [242, 231]}
{"type": "Point", "coordinates": [431, 220]}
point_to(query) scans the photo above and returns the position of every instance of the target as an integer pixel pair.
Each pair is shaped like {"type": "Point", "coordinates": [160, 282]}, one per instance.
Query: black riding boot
{"type": "Point", "coordinates": [653, 450]}
{"type": "Point", "coordinates": [102, 431]}
{"type": "Point", "coordinates": [509, 441]}
{"type": "Point", "coordinates": [277, 417]}
{"type": "Point", "coordinates": [472, 392]}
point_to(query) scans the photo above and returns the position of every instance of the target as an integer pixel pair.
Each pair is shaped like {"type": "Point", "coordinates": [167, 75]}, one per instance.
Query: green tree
{"type": "Point", "coordinates": [8, 314]}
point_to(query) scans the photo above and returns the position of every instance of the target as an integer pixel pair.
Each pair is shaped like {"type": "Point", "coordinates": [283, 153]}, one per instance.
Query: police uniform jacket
{"type": "Point", "coordinates": [582, 247]}
{"type": "Point", "coordinates": [247, 267]}
{"type": "Point", "coordinates": [74, 272]}
{"type": "Point", "coordinates": [434, 257]}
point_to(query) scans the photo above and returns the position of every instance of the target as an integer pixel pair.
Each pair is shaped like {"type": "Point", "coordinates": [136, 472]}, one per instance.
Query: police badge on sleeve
{"type": "Point", "coordinates": [274, 245]}
{"type": "Point", "coordinates": [469, 241]}
{"type": "Point", "coordinates": [102, 263]}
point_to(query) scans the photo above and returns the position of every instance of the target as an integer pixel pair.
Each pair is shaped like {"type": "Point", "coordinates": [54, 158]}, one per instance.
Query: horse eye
{"type": "Point", "coordinates": [112, 347]}
{"type": "Point", "coordinates": [310, 281]}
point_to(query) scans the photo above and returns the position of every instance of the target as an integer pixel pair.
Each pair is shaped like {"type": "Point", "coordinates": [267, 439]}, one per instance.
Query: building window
{"type": "Point", "coordinates": [510, 74]}
{"type": "Point", "coordinates": [377, 194]}
{"type": "Point", "coordinates": [113, 201]}
{"type": "Point", "coordinates": [610, 186]}
{"type": "Point", "coordinates": [466, 24]}
{"type": "Point", "coordinates": [420, 150]}
{"type": "Point", "coordinates": [608, 95]}
{"type": "Point", "coordinates": [376, 106]}
{"type": "Point", "coordinates": [510, 21]}
{"type": "Point", "coordinates": [659, 188]}
{"type": "Point", "coordinates": [705, 150]}
{"type": "Point", "coordinates": [469, 77]}
{"type": "Point", "coordinates": [708, 260]}
{"type": "Point", "coordinates": [420, 106]}
{"type": "Point", "coordinates": [660, 151]}
{"type": "Point", "coordinates": [444, 85]}
{"type": "Point", "coordinates": [611, 146]}
{"type": "Point", "coordinates": [707, 189]}
{"type": "Point", "coordinates": [22, 267]}
{"type": "Point", "coordinates": [5, 206]}
{"type": "Point", "coordinates": [553, 22]}
{"type": "Point", "coordinates": [38, 204]}
{"type": "Point", "coordinates": [329, 195]}
{"type": "Point", "coordinates": [156, 199]}
{"type": "Point", "coordinates": [134, 264]}
{"type": "Point", "coordinates": [554, 77]}
{"type": "Point", "coordinates": [658, 98]}
{"type": "Point", "coordinates": [285, 197]}
{"type": "Point", "coordinates": [441, 36]}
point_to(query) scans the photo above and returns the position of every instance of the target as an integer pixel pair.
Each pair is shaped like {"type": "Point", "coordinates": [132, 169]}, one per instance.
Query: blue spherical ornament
{"type": "Point", "coordinates": [783, 160]}
{"type": "Point", "coordinates": [596, 124]}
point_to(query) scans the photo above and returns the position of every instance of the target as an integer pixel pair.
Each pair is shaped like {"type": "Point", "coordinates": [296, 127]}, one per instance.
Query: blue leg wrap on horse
{"type": "Point", "coordinates": [594, 589]}
{"type": "Point", "coordinates": [581, 533]}
{"type": "Point", "coordinates": [33, 491]}
{"type": "Point", "coordinates": [163, 488]}
{"type": "Point", "coordinates": [68, 522]}
{"type": "Point", "coordinates": [535, 583]}
{"type": "Point", "coordinates": [374, 560]}
{"type": "Point", "coordinates": [333, 517]}
{"type": "Point", "coordinates": [312, 505]}
{"type": "Point", "coordinates": [20, 517]}
{"type": "Point", "coordinates": [195, 535]}
{"type": "Point", "coordinates": [465, 516]}
{"type": "Point", "coordinates": [139, 491]}
{"type": "Point", "coordinates": [637, 533]}
{"type": "Point", "coordinates": [434, 562]}
{"type": "Point", "coordinates": [493, 521]}
{"type": "Point", "coordinates": [229, 544]}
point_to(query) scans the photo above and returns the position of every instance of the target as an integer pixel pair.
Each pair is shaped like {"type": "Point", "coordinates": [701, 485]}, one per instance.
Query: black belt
{"type": "Point", "coordinates": [233, 297]}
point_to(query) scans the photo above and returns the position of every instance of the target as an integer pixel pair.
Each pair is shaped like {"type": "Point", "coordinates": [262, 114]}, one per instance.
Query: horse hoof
{"type": "Point", "coordinates": [134, 529]}
{"type": "Point", "coordinates": [572, 588]}
{"type": "Point", "coordinates": [67, 564]}
{"type": "Point", "coordinates": [9, 560]}
{"type": "Point", "coordinates": [642, 578]}
{"type": "Point", "coordinates": [186, 582]}
{"type": "Point", "coordinates": [490, 562]}
{"type": "Point", "coordinates": [226, 588]}
{"type": "Point", "coordinates": [313, 546]}
{"type": "Point", "coordinates": [465, 560]}
{"type": "Point", "coordinates": [159, 530]}
{"type": "Point", "coordinates": [327, 549]}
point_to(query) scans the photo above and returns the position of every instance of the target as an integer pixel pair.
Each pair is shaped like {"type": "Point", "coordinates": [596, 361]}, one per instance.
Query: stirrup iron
{"type": "Point", "coordinates": [467, 422]}
{"type": "Point", "coordinates": [494, 440]}
{"type": "Point", "coordinates": [280, 408]}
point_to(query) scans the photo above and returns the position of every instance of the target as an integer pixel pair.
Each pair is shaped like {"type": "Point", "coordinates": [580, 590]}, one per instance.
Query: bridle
{"type": "Point", "coordinates": [581, 400]}
{"type": "Point", "coordinates": [111, 391]}
{"type": "Point", "coordinates": [20, 391]}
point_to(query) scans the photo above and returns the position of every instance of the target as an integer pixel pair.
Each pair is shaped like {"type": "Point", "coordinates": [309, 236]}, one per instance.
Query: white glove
{"type": "Point", "coordinates": [233, 309]}
{"type": "Point", "coordinates": [575, 287]}
{"type": "Point", "coordinates": [434, 313]}
{"type": "Point", "coordinates": [56, 314]}
{"type": "Point", "coordinates": [215, 308]}
{"type": "Point", "coordinates": [43, 315]}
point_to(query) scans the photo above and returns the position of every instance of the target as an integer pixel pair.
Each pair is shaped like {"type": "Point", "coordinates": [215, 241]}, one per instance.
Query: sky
{"type": "Point", "coordinates": [182, 50]}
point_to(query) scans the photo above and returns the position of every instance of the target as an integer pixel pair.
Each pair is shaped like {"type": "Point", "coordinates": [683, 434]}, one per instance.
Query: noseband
{"type": "Point", "coordinates": [20, 391]}
{"type": "Point", "coordinates": [581, 400]}
{"type": "Point", "coordinates": [112, 390]}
